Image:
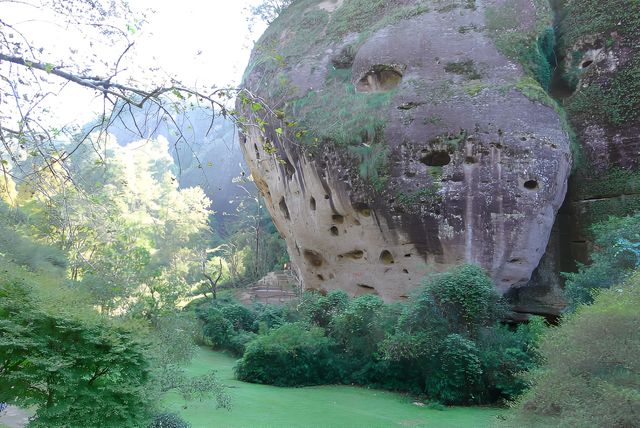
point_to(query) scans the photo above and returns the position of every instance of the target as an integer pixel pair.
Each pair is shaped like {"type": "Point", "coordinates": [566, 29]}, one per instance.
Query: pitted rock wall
{"type": "Point", "coordinates": [407, 147]}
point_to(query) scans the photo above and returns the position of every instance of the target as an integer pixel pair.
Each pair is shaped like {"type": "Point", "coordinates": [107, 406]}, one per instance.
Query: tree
{"type": "Point", "coordinates": [101, 37]}
{"type": "Point", "coordinates": [77, 370]}
{"type": "Point", "coordinates": [591, 372]}
{"type": "Point", "coordinates": [614, 258]}
{"type": "Point", "coordinates": [268, 10]}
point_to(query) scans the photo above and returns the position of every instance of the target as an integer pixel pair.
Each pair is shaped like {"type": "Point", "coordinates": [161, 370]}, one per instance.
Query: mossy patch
{"type": "Point", "coordinates": [590, 17]}
{"type": "Point", "coordinates": [616, 101]}
{"type": "Point", "coordinates": [613, 183]}
{"type": "Point", "coordinates": [465, 68]}
{"type": "Point", "coordinates": [340, 114]}
{"type": "Point", "coordinates": [614, 193]}
{"type": "Point", "coordinates": [532, 47]}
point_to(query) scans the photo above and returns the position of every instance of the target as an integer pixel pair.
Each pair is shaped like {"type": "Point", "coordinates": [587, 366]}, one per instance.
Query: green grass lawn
{"type": "Point", "coordinates": [322, 406]}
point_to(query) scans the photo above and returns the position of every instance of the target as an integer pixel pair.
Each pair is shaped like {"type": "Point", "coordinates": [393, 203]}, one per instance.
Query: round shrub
{"type": "Point", "coordinates": [291, 355]}
{"type": "Point", "coordinates": [466, 296]}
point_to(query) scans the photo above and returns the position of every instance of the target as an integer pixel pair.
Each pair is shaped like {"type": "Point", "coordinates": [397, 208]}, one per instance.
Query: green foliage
{"type": "Point", "coordinates": [532, 46]}
{"type": "Point", "coordinates": [612, 261]}
{"type": "Point", "coordinates": [319, 310]}
{"type": "Point", "coordinates": [466, 297]}
{"type": "Point", "coordinates": [340, 114]}
{"type": "Point", "coordinates": [457, 373]}
{"type": "Point", "coordinates": [77, 368]}
{"type": "Point", "coordinates": [448, 339]}
{"type": "Point", "coordinates": [291, 355]}
{"type": "Point", "coordinates": [591, 372]}
{"type": "Point", "coordinates": [615, 100]}
{"type": "Point", "coordinates": [618, 102]}
{"type": "Point", "coordinates": [373, 164]}
{"type": "Point", "coordinates": [444, 342]}
{"type": "Point", "coordinates": [505, 354]}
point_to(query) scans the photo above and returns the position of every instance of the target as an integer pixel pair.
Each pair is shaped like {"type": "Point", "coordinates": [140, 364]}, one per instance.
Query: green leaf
{"type": "Point", "coordinates": [256, 106]}
{"type": "Point", "coordinates": [48, 67]}
{"type": "Point", "coordinates": [279, 131]}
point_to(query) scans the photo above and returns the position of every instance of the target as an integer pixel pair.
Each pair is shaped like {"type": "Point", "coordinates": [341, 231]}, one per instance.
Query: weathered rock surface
{"type": "Point", "coordinates": [406, 138]}
{"type": "Point", "coordinates": [599, 82]}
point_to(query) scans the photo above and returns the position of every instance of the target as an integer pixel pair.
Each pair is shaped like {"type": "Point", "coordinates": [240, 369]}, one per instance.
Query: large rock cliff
{"type": "Point", "coordinates": [394, 138]}
{"type": "Point", "coordinates": [598, 84]}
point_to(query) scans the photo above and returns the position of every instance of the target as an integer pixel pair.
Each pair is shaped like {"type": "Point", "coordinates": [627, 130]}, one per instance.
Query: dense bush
{"type": "Point", "coordinates": [616, 256]}
{"type": "Point", "coordinates": [591, 372]}
{"type": "Point", "coordinates": [75, 367]}
{"type": "Point", "coordinates": [466, 298]}
{"type": "Point", "coordinates": [456, 373]}
{"type": "Point", "coordinates": [291, 355]}
{"type": "Point", "coordinates": [445, 341]}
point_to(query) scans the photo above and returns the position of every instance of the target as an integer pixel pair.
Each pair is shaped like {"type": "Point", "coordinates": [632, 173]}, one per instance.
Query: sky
{"type": "Point", "coordinates": [200, 42]}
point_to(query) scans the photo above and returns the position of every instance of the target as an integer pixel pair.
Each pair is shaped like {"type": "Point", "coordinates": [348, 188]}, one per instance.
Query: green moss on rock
{"type": "Point", "coordinates": [529, 43]}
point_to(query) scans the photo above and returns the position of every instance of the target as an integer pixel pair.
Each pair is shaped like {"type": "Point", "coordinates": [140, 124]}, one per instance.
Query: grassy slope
{"type": "Point", "coordinates": [324, 406]}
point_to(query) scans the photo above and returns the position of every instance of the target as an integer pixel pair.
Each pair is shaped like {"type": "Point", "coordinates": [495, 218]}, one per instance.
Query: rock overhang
{"type": "Point", "coordinates": [446, 153]}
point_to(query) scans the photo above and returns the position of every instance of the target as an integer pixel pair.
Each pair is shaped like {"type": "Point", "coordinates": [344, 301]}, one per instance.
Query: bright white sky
{"type": "Point", "coordinates": [201, 42]}
{"type": "Point", "coordinates": [216, 28]}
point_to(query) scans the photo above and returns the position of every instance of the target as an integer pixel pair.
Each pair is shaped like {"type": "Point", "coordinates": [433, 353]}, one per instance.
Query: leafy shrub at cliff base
{"type": "Point", "coordinates": [615, 257]}
{"type": "Point", "coordinates": [444, 343]}
{"type": "Point", "coordinates": [591, 371]}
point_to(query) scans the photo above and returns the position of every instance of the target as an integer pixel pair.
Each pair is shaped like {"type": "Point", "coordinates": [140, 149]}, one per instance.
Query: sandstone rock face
{"type": "Point", "coordinates": [404, 138]}
{"type": "Point", "coordinates": [599, 82]}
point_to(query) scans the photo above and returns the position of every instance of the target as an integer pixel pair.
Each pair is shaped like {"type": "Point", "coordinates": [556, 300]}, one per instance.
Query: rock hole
{"type": "Point", "coordinates": [587, 63]}
{"type": "Point", "coordinates": [386, 258]}
{"type": "Point", "coordinates": [380, 78]}
{"type": "Point", "coordinates": [437, 158]}
{"type": "Point", "coordinates": [337, 218]}
{"type": "Point", "coordinates": [470, 160]}
{"type": "Point", "coordinates": [362, 209]}
{"type": "Point", "coordinates": [408, 255]}
{"type": "Point", "coordinates": [326, 196]}
{"type": "Point", "coordinates": [288, 168]}
{"type": "Point", "coordinates": [353, 255]}
{"type": "Point", "coordinates": [334, 231]}
{"type": "Point", "coordinates": [356, 222]}
{"type": "Point", "coordinates": [368, 287]}
{"type": "Point", "coordinates": [514, 261]}
{"type": "Point", "coordinates": [405, 271]}
{"type": "Point", "coordinates": [313, 258]}
{"type": "Point", "coordinates": [255, 146]}
{"type": "Point", "coordinates": [320, 277]}
{"type": "Point", "coordinates": [312, 203]}
{"type": "Point", "coordinates": [284, 209]}
{"type": "Point", "coordinates": [531, 184]}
